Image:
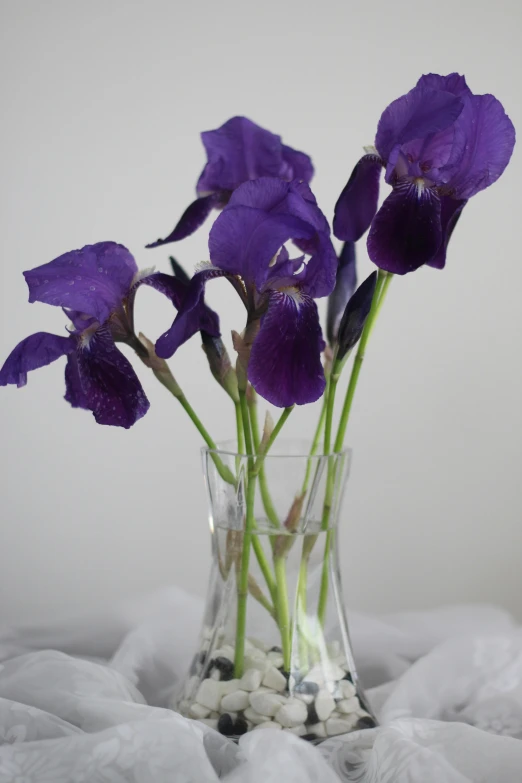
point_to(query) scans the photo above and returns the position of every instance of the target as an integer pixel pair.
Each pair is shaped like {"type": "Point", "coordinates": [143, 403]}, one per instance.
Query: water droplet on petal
{"type": "Point", "coordinates": [71, 282]}
{"type": "Point", "coordinates": [78, 277]}
{"type": "Point", "coordinates": [92, 288]}
{"type": "Point", "coordinates": [45, 281]}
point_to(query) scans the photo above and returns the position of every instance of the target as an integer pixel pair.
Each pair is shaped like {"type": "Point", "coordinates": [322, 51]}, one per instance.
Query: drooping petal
{"type": "Point", "coordinates": [34, 352]}
{"type": "Point", "coordinates": [357, 204]}
{"type": "Point", "coordinates": [406, 232]}
{"type": "Point", "coordinates": [110, 386]}
{"type": "Point", "coordinates": [193, 217]}
{"type": "Point", "coordinates": [285, 362]}
{"type": "Point", "coordinates": [451, 210]}
{"type": "Point", "coordinates": [413, 116]}
{"type": "Point", "coordinates": [355, 315]}
{"type": "Point", "coordinates": [93, 280]}
{"type": "Point", "coordinates": [193, 316]}
{"type": "Point", "coordinates": [345, 282]}
{"type": "Point", "coordinates": [298, 165]}
{"type": "Point", "coordinates": [487, 139]}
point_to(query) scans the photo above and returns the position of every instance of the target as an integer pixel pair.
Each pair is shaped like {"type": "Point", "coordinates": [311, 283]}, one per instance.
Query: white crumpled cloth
{"type": "Point", "coordinates": [85, 701]}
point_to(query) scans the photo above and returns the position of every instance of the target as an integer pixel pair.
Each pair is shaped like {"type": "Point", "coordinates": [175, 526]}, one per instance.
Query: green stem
{"type": "Point", "coordinates": [302, 609]}
{"type": "Point", "coordinates": [242, 586]}
{"type": "Point", "coordinates": [383, 281]}
{"type": "Point", "coordinates": [239, 429]}
{"type": "Point", "coordinates": [273, 435]}
{"type": "Point", "coordinates": [256, 544]}
{"type": "Point", "coordinates": [225, 472]}
{"type": "Point", "coordinates": [317, 437]}
{"type": "Point", "coordinates": [263, 486]}
{"type": "Point", "coordinates": [282, 609]}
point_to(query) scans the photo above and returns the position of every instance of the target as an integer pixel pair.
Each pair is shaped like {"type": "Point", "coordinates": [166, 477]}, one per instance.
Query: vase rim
{"type": "Point", "coordinates": [284, 448]}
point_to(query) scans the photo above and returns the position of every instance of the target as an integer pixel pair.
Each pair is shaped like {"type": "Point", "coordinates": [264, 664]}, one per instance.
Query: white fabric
{"type": "Point", "coordinates": [85, 701]}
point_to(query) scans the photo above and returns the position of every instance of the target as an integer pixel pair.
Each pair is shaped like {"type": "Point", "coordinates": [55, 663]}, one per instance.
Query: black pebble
{"type": "Point", "coordinates": [307, 687]}
{"type": "Point", "coordinates": [240, 726]}
{"type": "Point", "coordinates": [225, 725]}
{"type": "Point", "coordinates": [276, 649]}
{"type": "Point", "coordinates": [365, 723]}
{"type": "Point", "coordinates": [309, 737]}
{"type": "Point", "coordinates": [348, 677]}
{"type": "Point", "coordinates": [202, 657]}
{"type": "Point", "coordinates": [286, 675]}
{"type": "Point", "coordinates": [312, 714]}
{"type": "Point", "coordinates": [223, 665]}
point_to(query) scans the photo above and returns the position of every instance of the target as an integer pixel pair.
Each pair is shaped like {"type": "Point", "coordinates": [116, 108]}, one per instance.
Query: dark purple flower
{"type": "Point", "coordinates": [237, 152]}
{"type": "Point", "coordinates": [440, 145]}
{"type": "Point", "coordinates": [247, 245]}
{"type": "Point", "coordinates": [354, 317]}
{"type": "Point", "coordinates": [96, 287]}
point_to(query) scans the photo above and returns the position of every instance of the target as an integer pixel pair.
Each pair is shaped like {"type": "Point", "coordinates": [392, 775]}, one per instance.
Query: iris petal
{"type": "Point", "coordinates": [357, 203]}
{"type": "Point", "coordinates": [93, 280]}
{"type": "Point", "coordinates": [110, 387]}
{"type": "Point", "coordinates": [451, 210]}
{"type": "Point", "coordinates": [487, 139]}
{"type": "Point", "coordinates": [406, 232]}
{"type": "Point", "coordinates": [34, 352]}
{"type": "Point", "coordinates": [415, 115]}
{"type": "Point", "coordinates": [193, 316]}
{"type": "Point", "coordinates": [193, 217]}
{"type": "Point", "coordinates": [285, 363]}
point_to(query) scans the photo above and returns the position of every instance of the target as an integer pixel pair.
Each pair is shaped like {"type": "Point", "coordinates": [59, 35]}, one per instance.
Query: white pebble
{"type": "Point", "coordinates": [255, 717]}
{"type": "Point", "coordinates": [274, 679]}
{"type": "Point", "coordinates": [256, 662]}
{"type": "Point", "coordinates": [211, 722]}
{"type": "Point", "coordinates": [269, 724]}
{"type": "Point", "coordinates": [336, 726]}
{"type": "Point", "coordinates": [251, 680]}
{"type": "Point", "coordinates": [347, 689]}
{"type": "Point", "coordinates": [319, 729]}
{"type": "Point", "coordinates": [198, 711]}
{"type": "Point", "coordinates": [229, 686]}
{"type": "Point", "coordinates": [324, 705]}
{"type": "Point", "coordinates": [306, 697]}
{"type": "Point", "coordinates": [299, 731]}
{"type": "Point", "coordinates": [266, 703]}
{"type": "Point", "coordinates": [276, 659]}
{"type": "Point", "coordinates": [209, 694]}
{"type": "Point", "coordinates": [238, 700]}
{"type": "Point", "coordinates": [293, 713]}
{"type": "Point", "coordinates": [348, 706]}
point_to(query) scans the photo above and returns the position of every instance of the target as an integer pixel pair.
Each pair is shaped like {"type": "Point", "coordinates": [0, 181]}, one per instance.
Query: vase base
{"type": "Point", "coordinates": [315, 703]}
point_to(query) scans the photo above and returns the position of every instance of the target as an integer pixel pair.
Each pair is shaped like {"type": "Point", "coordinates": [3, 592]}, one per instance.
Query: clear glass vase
{"type": "Point", "coordinates": [274, 651]}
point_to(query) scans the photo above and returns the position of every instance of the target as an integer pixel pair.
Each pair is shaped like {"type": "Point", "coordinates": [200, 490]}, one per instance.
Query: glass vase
{"type": "Point", "coordinates": [274, 651]}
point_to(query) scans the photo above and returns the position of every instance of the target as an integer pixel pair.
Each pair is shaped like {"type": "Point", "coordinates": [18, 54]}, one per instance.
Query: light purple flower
{"type": "Point", "coordinates": [237, 152]}
{"type": "Point", "coordinates": [247, 245]}
{"type": "Point", "coordinates": [440, 145]}
{"type": "Point", "coordinates": [96, 287]}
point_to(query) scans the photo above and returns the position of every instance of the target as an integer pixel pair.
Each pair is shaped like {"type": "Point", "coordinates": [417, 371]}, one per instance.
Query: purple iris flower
{"type": "Point", "coordinates": [96, 287]}
{"type": "Point", "coordinates": [237, 152]}
{"type": "Point", "coordinates": [247, 245]}
{"type": "Point", "coordinates": [440, 145]}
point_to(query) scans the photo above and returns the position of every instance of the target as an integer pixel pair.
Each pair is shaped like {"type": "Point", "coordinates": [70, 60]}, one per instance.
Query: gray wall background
{"type": "Point", "coordinates": [102, 104]}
